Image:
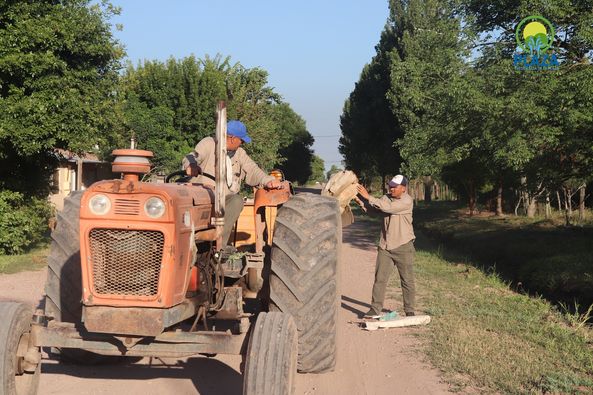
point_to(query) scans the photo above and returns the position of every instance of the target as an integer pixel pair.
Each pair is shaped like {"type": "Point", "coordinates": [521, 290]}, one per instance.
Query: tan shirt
{"type": "Point", "coordinates": [243, 167]}
{"type": "Point", "coordinates": [397, 224]}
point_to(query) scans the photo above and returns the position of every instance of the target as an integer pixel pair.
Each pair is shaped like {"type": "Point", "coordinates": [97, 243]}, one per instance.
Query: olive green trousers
{"type": "Point", "coordinates": [403, 258]}
{"type": "Point", "coordinates": [232, 210]}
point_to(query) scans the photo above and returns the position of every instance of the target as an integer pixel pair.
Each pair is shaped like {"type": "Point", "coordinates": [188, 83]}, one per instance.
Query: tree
{"type": "Point", "coordinates": [369, 127]}
{"type": "Point", "coordinates": [317, 170]}
{"type": "Point", "coordinates": [58, 85]}
{"type": "Point", "coordinates": [153, 127]}
{"type": "Point", "coordinates": [539, 126]}
{"type": "Point", "coordinates": [477, 121]}
{"type": "Point", "coordinates": [334, 169]}
{"type": "Point", "coordinates": [295, 144]}
{"type": "Point", "coordinates": [170, 106]}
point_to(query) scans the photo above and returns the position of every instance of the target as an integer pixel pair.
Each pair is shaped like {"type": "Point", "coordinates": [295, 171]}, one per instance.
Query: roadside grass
{"type": "Point", "coordinates": [36, 259]}
{"type": "Point", "coordinates": [484, 336]}
{"type": "Point", "coordinates": [536, 256]}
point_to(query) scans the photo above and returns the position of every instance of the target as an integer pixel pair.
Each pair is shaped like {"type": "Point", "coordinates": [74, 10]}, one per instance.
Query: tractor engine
{"type": "Point", "coordinates": [138, 248]}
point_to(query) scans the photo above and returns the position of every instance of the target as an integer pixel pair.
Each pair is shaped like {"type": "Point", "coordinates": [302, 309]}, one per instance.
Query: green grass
{"type": "Point", "coordinates": [535, 255]}
{"type": "Point", "coordinates": [35, 259]}
{"type": "Point", "coordinates": [484, 336]}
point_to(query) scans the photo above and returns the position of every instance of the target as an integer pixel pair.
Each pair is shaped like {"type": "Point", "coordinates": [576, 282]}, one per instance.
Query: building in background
{"type": "Point", "coordinates": [74, 173]}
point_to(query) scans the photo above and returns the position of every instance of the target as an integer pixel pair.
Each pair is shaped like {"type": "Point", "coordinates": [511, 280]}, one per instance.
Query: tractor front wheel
{"type": "Point", "coordinates": [270, 363]}
{"type": "Point", "coordinates": [15, 325]}
{"type": "Point", "coordinates": [304, 278]}
{"type": "Point", "coordinates": [63, 288]}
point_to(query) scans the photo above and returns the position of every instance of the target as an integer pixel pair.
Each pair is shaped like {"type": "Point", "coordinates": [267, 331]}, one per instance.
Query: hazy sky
{"type": "Point", "coordinates": [313, 51]}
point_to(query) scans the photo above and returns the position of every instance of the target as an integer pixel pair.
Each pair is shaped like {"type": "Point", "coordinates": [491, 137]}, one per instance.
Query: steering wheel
{"type": "Point", "coordinates": [182, 177]}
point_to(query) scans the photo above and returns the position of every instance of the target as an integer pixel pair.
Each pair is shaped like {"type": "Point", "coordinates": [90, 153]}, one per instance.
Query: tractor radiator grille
{"type": "Point", "coordinates": [126, 262]}
{"type": "Point", "coordinates": [127, 207]}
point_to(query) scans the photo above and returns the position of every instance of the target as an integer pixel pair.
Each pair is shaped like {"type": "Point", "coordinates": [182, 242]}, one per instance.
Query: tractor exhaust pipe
{"type": "Point", "coordinates": [220, 170]}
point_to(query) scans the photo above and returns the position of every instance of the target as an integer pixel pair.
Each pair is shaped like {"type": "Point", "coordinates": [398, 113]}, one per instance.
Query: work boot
{"type": "Point", "coordinates": [229, 249]}
{"type": "Point", "coordinates": [371, 313]}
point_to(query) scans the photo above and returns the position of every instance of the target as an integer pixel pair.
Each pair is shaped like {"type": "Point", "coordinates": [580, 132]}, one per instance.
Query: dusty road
{"type": "Point", "coordinates": [381, 362]}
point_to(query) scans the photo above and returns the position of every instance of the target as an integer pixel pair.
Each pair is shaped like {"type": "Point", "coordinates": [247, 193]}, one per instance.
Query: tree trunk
{"type": "Point", "coordinates": [519, 199]}
{"type": "Point", "coordinates": [471, 197]}
{"type": "Point", "coordinates": [525, 195]}
{"type": "Point", "coordinates": [559, 201]}
{"type": "Point", "coordinates": [582, 196]}
{"type": "Point", "coordinates": [567, 205]}
{"type": "Point", "coordinates": [531, 207]}
{"type": "Point", "coordinates": [428, 189]}
{"type": "Point", "coordinates": [548, 206]}
{"type": "Point", "coordinates": [499, 199]}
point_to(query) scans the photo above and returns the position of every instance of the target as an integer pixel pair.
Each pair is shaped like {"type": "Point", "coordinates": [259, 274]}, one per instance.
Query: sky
{"type": "Point", "coordinates": [313, 51]}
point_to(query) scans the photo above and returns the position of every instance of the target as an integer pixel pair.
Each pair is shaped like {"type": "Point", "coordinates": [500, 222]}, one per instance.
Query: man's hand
{"type": "Point", "coordinates": [193, 170]}
{"type": "Point", "coordinates": [274, 184]}
{"type": "Point", "coordinates": [362, 191]}
{"type": "Point", "coordinates": [360, 203]}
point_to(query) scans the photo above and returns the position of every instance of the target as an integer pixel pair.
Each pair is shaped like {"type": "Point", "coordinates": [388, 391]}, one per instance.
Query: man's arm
{"type": "Point", "coordinates": [256, 176]}
{"type": "Point", "coordinates": [403, 205]}
{"type": "Point", "coordinates": [190, 165]}
{"type": "Point", "coordinates": [192, 162]}
{"type": "Point", "coordinates": [386, 205]}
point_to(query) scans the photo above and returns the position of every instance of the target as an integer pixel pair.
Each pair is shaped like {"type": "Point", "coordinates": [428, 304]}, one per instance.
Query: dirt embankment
{"type": "Point", "coordinates": [380, 362]}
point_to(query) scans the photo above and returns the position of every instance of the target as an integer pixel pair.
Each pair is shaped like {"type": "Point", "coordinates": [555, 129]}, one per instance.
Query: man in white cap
{"type": "Point", "coordinates": [240, 167]}
{"type": "Point", "coordinates": [396, 245]}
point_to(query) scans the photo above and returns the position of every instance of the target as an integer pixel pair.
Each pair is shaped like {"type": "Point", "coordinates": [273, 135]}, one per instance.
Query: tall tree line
{"type": "Point", "coordinates": [63, 84]}
{"type": "Point", "coordinates": [465, 115]}
{"type": "Point", "coordinates": [170, 105]}
{"type": "Point", "coordinates": [58, 86]}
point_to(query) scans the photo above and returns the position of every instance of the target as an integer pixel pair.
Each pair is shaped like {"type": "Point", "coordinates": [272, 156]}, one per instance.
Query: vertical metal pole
{"type": "Point", "coordinates": [79, 173]}
{"type": "Point", "coordinates": [220, 170]}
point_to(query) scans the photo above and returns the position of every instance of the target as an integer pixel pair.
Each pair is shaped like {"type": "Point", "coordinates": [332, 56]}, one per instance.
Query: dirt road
{"type": "Point", "coordinates": [380, 362]}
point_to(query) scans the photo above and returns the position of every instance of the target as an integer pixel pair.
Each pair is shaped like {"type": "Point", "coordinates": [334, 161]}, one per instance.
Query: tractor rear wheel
{"type": "Point", "coordinates": [14, 328]}
{"type": "Point", "coordinates": [63, 287]}
{"type": "Point", "coordinates": [304, 278]}
{"type": "Point", "coordinates": [270, 363]}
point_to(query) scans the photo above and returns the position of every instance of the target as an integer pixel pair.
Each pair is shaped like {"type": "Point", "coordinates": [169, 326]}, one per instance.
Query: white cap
{"type": "Point", "coordinates": [398, 180]}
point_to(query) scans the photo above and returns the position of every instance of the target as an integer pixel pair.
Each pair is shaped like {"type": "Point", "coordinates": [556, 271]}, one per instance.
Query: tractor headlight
{"type": "Point", "coordinates": [99, 204]}
{"type": "Point", "coordinates": [154, 207]}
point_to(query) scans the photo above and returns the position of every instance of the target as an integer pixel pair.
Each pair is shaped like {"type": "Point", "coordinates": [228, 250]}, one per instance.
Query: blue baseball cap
{"type": "Point", "coordinates": [238, 129]}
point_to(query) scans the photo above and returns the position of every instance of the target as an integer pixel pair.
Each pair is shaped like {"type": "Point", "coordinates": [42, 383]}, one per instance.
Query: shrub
{"type": "Point", "coordinates": [23, 221]}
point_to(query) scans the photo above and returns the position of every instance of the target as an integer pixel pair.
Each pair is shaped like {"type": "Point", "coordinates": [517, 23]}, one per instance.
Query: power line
{"type": "Point", "coordinates": [330, 135]}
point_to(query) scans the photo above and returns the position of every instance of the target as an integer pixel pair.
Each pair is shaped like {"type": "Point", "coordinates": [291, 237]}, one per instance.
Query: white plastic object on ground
{"type": "Point", "coordinates": [397, 323]}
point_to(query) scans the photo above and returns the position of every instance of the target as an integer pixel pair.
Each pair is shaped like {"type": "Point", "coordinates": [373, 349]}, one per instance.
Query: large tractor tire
{"type": "Point", "coordinates": [63, 287]}
{"type": "Point", "coordinates": [15, 323]}
{"type": "Point", "coordinates": [304, 278]}
{"type": "Point", "coordinates": [270, 362]}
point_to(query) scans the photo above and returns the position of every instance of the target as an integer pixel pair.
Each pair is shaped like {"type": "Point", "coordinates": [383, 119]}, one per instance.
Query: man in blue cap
{"type": "Point", "coordinates": [240, 167]}
{"type": "Point", "coordinates": [396, 245]}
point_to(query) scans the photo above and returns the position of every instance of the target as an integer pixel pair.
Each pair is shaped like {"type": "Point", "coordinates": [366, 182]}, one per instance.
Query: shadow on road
{"type": "Point", "coordinates": [361, 234]}
{"type": "Point", "coordinates": [355, 310]}
{"type": "Point", "coordinates": [208, 375]}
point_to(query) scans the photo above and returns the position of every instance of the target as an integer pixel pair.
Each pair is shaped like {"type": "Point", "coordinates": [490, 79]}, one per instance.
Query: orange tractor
{"type": "Point", "coordinates": [137, 269]}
